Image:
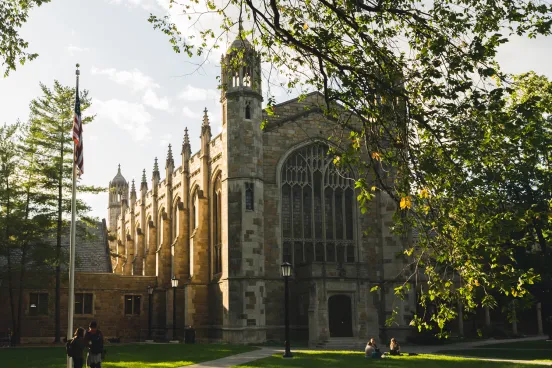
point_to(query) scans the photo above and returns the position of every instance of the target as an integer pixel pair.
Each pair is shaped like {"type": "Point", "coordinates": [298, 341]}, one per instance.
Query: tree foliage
{"type": "Point", "coordinates": [459, 145]}
{"type": "Point", "coordinates": [13, 48]}
{"type": "Point", "coordinates": [24, 221]}
{"type": "Point", "coordinates": [51, 122]}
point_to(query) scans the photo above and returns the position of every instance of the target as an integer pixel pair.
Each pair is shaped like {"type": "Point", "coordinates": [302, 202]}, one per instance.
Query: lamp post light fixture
{"type": "Point", "coordinates": [150, 294]}
{"type": "Point", "coordinates": [174, 283]}
{"type": "Point", "coordinates": [286, 273]}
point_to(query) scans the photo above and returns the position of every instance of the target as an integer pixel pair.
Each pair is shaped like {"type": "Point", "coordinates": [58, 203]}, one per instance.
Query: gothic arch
{"type": "Point", "coordinates": [317, 207]}
{"type": "Point", "coordinates": [216, 223]}
{"type": "Point", "coordinates": [149, 223]}
{"type": "Point", "coordinates": [137, 230]}
{"type": "Point", "coordinates": [194, 209]}
{"type": "Point", "coordinates": [160, 228]}
{"type": "Point", "coordinates": [176, 218]}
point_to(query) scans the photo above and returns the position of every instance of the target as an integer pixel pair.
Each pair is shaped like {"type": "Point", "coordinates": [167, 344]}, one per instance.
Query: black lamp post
{"type": "Point", "coordinates": [174, 282]}
{"type": "Point", "coordinates": [286, 273]}
{"type": "Point", "coordinates": [150, 293]}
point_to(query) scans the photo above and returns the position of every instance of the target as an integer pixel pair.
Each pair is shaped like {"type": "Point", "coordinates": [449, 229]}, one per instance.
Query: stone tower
{"type": "Point", "coordinates": [242, 192]}
{"type": "Point", "coordinates": [118, 191]}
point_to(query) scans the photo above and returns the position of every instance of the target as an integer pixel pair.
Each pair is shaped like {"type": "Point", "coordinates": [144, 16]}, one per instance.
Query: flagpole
{"type": "Point", "coordinates": [71, 302]}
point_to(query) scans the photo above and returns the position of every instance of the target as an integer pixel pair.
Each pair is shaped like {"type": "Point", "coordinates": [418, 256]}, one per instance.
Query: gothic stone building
{"type": "Point", "coordinates": [223, 222]}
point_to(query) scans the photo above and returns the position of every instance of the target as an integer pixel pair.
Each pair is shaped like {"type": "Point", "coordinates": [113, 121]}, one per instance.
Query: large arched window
{"type": "Point", "coordinates": [176, 220]}
{"type": "Point", "coordinates": [148, 229]}
{"type": "Point", "coordinates": [160, 228]}
{"type": "Point", "coordinates": [194, 211]}
{"type": "Point", "coordinates": [217, 230]}
{"type": "Point", "coordinates": [317, 208]}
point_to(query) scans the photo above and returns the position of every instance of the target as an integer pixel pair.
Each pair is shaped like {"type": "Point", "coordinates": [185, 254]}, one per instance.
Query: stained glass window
{"type": "Point", "coordinates": [317, 208]}
{"type": "Point", "coordinates": [217, 222]}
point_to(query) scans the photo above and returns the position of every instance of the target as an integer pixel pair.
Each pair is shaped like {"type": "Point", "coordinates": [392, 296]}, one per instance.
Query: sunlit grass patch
{"type": "Point", "coordinates": [351, 359]}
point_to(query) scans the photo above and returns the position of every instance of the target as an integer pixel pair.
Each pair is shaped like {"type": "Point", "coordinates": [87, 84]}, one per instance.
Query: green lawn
{"type": "Point", "coordinates": [349, 359]}
{"type": "Point", "coordinates": [523, 350]}
{"type": "Point", "coordinates": [538, 344]}
{"type": "Point", "coordinates": [123, 356]}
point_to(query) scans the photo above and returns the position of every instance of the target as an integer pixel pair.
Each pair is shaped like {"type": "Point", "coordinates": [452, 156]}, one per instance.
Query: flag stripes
{"type": "Point", "coordinates": [77, 135]}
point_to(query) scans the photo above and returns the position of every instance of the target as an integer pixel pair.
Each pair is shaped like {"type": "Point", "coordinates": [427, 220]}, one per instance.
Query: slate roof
{"type": "Point", "coordinates": [92, 253]}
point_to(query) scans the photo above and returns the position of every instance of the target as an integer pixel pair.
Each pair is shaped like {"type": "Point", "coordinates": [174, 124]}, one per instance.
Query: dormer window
{"type": "Point", "coordinates": [248, 110]}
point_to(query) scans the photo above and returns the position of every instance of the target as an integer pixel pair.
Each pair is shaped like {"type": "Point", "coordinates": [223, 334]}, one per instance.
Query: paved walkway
{"type": "Point", "coordinates": [237, 359]}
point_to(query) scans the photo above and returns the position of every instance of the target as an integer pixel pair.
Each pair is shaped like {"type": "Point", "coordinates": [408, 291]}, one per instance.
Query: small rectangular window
{"type": "Point", "coordinates": [132, 304]}
{"type": "Point", "coordinates": [249, 197]}
{"type": "Point", "coordinates": [38, 304]}
{"type": "Point", "coordinates": [84, 303]}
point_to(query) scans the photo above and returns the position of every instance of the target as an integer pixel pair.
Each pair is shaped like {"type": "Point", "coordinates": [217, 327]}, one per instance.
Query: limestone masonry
{"type": "Point", "coordinates": [224, 220]}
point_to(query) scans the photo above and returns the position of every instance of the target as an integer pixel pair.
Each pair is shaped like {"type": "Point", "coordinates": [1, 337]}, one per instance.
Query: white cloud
{"type": "Point", "coordinates": [148, 5]}
{"type": "Point", "coordinates": [188, 113]}
{"type": "Point", "coordinates": [131, 117]}
{"type": "Point", "coordinates": [191, 93]}
{"type": "Point", "coordinates": [151, 99]}
{"type": "Point", "coordinates": [134, 79]}
{"type": "Point", "coordinates": [75, 49]}
{"type": "Point", "coordinates": [164, 140]}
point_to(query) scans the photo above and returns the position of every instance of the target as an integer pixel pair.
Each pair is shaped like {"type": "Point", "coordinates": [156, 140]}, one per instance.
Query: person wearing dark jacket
{"type": "Point", "coordinates": [77, 345]}
{"type": "Point", "coordinates": [94, 340]}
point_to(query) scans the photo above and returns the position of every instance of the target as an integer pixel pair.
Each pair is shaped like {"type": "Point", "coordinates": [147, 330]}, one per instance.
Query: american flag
{"type": "Point", "coordinates": [77, 135]}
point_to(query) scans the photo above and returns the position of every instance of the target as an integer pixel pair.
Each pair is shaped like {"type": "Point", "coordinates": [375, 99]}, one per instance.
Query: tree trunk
{"type": "Point", "coordinates": [20, 298]}
{"type": "Point", "coordinates": [22, 271]}
{"type": "Point", "coordinates": [8, 253]}
{"type": "Point", "coordinates": [58, 249]}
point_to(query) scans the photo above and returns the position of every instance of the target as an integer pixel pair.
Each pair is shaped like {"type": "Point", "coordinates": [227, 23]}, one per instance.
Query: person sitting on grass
{"type": "Point", "coordinates": [372, 350]}
{"type": "Point", "coordinates": [394, 347]}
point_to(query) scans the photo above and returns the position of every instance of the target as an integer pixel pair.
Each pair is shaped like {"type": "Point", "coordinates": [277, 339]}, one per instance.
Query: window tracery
{"type": "Point", "coordinates": [317, 208]}
{"type": "Point", "coordinates": [217, 226]}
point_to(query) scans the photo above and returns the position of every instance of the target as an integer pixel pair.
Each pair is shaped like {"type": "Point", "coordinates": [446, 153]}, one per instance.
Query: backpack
{"type": "Point", "coordinates": [96, 346]}
{"type": "Point", "coordinates": [69, 347]}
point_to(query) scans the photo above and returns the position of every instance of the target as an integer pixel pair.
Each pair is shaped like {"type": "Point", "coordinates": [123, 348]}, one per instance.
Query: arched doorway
{"type": "Point", "coordinates": [340, 316]}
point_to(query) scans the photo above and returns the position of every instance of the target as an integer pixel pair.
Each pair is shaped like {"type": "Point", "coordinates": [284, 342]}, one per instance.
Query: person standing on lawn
{"type": "Point", "coordinates": [94, 340]}
{"type": "Point", "coordinates": [77, 347]}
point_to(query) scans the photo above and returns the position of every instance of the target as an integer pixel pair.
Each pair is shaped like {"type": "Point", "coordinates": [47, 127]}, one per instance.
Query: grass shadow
{"type": "Point", "coordinates": [125, 356]}
{"type": "Point", "coordinates": [349, 359]}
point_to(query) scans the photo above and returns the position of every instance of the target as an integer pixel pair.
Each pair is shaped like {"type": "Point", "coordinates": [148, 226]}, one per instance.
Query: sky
{"type": "Point", "coordinates": [143, 93]}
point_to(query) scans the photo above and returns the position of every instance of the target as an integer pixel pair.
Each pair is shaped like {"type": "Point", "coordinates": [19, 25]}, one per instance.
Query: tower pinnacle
{"type": "Point", "coordinates": [170, 159]}
{"type": "Point", "coordinates": [205, 117]}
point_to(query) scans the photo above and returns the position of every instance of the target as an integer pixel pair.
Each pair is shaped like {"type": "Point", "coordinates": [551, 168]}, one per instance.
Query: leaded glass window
{"type": "Point", "coordinates": [217, 226]}
{"type": "Point", "coordinates": [317, 208]}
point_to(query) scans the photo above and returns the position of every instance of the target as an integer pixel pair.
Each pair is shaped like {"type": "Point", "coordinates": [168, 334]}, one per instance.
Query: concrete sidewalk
{"type": "Point", "coordinates": [237, 359]}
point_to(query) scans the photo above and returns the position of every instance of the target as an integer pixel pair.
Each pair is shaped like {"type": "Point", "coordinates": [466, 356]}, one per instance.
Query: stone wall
{"type": "Point", "coordinates": [108, 292]}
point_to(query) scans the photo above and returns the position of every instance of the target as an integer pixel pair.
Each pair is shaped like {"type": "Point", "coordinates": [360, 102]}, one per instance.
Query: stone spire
{"type": "Point", "coordinates": [169, 166]}
{"type": "Point", "coordinates": [156, 175]}
{"type": "Point", "coordinates": [144, 184]}
{"type": "Point", "coordinates": [186, 144]}
{"type": "Point", "coordinates": [132, 191]}
{"type": "Point", "coordinates": [186, 152]}
{"type": "Point", "coordinates": [205, 126]}
{"type": "Point", "coordinates": [205, 118]}
{"type": "Point", "coordinates": [170, 160]}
